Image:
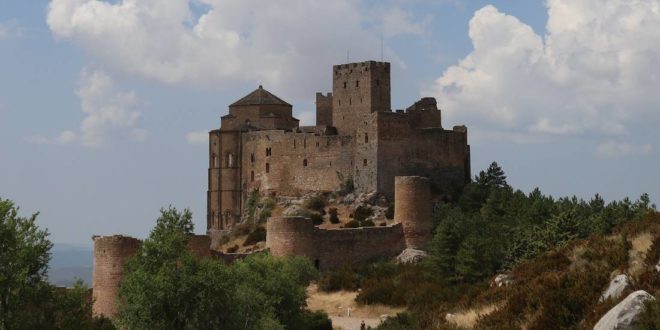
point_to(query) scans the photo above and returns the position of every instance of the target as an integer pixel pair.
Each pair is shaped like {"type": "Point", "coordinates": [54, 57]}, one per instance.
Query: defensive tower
{"type": "Point", "coordinates": [110, 255]}
{"type": "Point", "coordinates": [358, 88]}
{"type": "Point", "coordinates": [412, 208]}
{"type": "Point", "coordinates": [290, 236]}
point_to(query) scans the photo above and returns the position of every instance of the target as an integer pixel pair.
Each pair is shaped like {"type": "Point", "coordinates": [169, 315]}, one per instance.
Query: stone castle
{"type": "Point", "coordinates": [357, 139]}
{"type": "Point", "coordinates": [402, 155]}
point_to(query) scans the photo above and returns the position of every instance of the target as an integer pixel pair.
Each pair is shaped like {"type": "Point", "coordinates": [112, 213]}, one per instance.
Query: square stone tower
{"type": "Point", "coordinates": [358, 88]}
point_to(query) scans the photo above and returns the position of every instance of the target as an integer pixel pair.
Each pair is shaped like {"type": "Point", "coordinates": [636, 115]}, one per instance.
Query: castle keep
{"type": "Point", "coordinates": [357, 138]}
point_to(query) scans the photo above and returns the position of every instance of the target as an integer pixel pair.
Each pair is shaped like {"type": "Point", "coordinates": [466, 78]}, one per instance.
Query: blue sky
{"type": "Point", "coordinates": [104, 105]}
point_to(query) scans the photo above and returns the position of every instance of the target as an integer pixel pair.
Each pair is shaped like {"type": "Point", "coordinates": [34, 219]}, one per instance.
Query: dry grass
{"type": "Point", "coordinates": [640, 244]}
{"type": "Point", "coordinates": [330, 303]}
{"type": "Point", "coordinates": [467, 319]}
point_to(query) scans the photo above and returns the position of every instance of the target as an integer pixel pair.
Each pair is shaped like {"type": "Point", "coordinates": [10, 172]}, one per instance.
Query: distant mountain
{"type": "Point", "coordinates": [70, 262]}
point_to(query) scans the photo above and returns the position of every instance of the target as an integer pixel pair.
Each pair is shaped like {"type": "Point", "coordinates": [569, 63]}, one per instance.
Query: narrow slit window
{"type": "Point", "coordinates": [267, 168]}
{"type": "Point", "coordinates": [364, 162]}
{"type": "Point", "coordinates": [305, 162]}
{"type": "Point", "coordinates": [366, 138]}
{"type": "Point", "coordinates": [252, 176]}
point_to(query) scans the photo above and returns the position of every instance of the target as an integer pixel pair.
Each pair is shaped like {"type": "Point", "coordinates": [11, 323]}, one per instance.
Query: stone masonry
{"type": "Point", "coordinates": [357, 138]}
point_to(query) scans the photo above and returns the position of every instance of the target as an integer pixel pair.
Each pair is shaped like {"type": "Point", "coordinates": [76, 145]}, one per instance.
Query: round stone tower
{"type": "Point", "coordinates": [110, 255]}
{"type": "Point", "coordinates": [290, 236]}
{"type": "Point", "coordinates": [412, 208]}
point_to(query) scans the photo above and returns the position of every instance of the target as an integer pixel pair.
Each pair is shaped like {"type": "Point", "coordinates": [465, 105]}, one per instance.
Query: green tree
{"type": "Point", "coordinates": [24, 256]}
{"type": "Point", "coordinates": [492, 177]}
{"type": "Point", "coordinates": [165, 287]}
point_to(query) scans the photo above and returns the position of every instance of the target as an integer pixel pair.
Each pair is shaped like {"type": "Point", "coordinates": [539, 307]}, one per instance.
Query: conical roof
{"type": "Point", "coordinates": [260, 96]}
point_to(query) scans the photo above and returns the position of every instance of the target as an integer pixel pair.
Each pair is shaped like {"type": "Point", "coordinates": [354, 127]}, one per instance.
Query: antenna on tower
{"type": "Point", "coordinates": [381, 47]}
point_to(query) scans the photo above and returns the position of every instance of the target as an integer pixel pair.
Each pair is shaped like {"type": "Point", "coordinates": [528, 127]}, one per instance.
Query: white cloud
{"type": "Point", "coordinates": [286, 43]}
{"type": "Point", "coordinates": [594, 71]}
{"type": "Point", "coordinates": [396, 21]}
{"type": "Point", "coordinates": [198, 137]}
{"type": "Point", "coordinates": [618, 149]}
{"type": "Point", "coordinates": [107, 110]}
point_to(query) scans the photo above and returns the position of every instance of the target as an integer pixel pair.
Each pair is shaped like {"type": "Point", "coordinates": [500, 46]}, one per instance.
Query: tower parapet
{"type": "Point", "coordinates": [110, 255]}
{"type": "Point", "coordinates": [412, 208]}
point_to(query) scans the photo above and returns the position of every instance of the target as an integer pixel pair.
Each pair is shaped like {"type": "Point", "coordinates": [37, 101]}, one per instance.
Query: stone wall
{"type": "Point", "coordinates": [332, 248]}
{"type": "Point", "coordinates": [441, 155]}
{"type": "Point", "coordinates": [290, 163]}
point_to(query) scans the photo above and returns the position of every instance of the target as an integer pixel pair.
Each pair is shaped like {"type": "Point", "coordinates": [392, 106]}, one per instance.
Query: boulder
{"type": "Point", "coordinates": [618, 284]}
{"type": "Point", "coordinates": [657, 267]}
{"type": "Point", "coordinates": [293, 210]}
{"type": "Point", "coordinates": [502, 280]}
{"type": "Point", "coordinates": [411, 256]}
{"type": "Point", "coordinates": [624, 315]}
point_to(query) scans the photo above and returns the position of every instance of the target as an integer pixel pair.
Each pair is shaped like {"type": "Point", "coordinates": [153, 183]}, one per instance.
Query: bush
{"type": "Point", "coordinates": [342, 279]}
{"type": "Point", "coordinates": [389, 213]}
{"type": "Point", "coordinates": [650, 318]}
{"type": "Point", "coordinates": [264, 215]}
{"type": "Point", "coordinates": [334, 218]}
{"type": "Point", "coordinates": [368, 223]}
{"type": "Point", "coordinates": [352, 224]}
{"type": "Point", "coordinates": [317, 219]}
{"type": "Point", "coordinates": [316, 203]}
{"type": "Point", "coordinates": [258, 235]}
{"type": "Point", "coordinates": [362, 212]}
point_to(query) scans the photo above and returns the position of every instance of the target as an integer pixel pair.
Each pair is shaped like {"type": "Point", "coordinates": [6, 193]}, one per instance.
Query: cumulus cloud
{"type": "Point", "coordinates": [108, 111]}
{"type": "Point", "coordinates": [593, 71]}
{"type": "Point", "coordinates": [286, 43]}
{"type": "Point", "coordinates": [198, 137]}
{"type": "Point", "coordinates": [619, 149]}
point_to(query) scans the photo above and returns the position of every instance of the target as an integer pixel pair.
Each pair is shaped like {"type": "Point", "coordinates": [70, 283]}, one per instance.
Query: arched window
{"type": "Point", "coordinates": [267, 168]}
{"type": "Point", "coordinates": [364, 162]}
{"type": "Point", "coordinates": [252, 158]}
{"type": "Point", "coordinates": [305, 162]}
{"type": "Point", "coordinates": [268, 152]}
{"type": "Point", "coordinates": [366, 138]}
{"type": "Point", "coordinates": [252, 176]}
{"type": "Point", "coordinates": [230, 160]}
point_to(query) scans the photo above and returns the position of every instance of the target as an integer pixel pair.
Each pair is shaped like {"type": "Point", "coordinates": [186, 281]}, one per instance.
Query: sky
{"type": "Point", "coordinates": [105, 105]}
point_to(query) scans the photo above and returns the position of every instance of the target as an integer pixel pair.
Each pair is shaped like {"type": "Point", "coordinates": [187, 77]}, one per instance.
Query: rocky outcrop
{"type": "Point", "coordinates": [624, 315]}
{"type": "Point", "coordinates": [618, 284]}
{"type": "Point", "coordinates": [502, 280]}
{"type": "Point", "coordinates": [411, 256]}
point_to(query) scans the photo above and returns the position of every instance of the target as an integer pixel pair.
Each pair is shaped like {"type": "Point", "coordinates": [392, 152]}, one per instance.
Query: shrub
{"type": "Point", "coordinates": [258, 235]}
{"type": "Point", "coordinates": [334, 218]}
{"type": "Point", "coordinates": [650, 318]}
{"type": "Point", "coordinates": [316, 203]}
{"type": "Point", "coordinates": [342, 279]}
{"type": "Point", "coordinates": [317, 219]}
{"type": "Point", "coordinates": [368, 223]}
{"type": "Point", "coordinates": [362, 212]}
{"type": "Point", "coordinates": [352, 224]}
{"type": "Point", "coordinates": [232, 249]}
{"type": "Point", "coordinates": [264, 215]}
{"type": "Point", "coordinates": [389, 213]}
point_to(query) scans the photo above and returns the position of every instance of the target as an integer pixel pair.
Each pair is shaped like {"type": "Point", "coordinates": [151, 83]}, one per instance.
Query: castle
{"type": "Point", "coordinates": [357, 139]}
{"type": "Point", "coordinates": [404, 156]}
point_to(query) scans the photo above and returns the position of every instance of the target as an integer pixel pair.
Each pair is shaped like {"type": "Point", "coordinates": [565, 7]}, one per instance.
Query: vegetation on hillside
{"type": "Point", "coordinates": [561, 253]}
